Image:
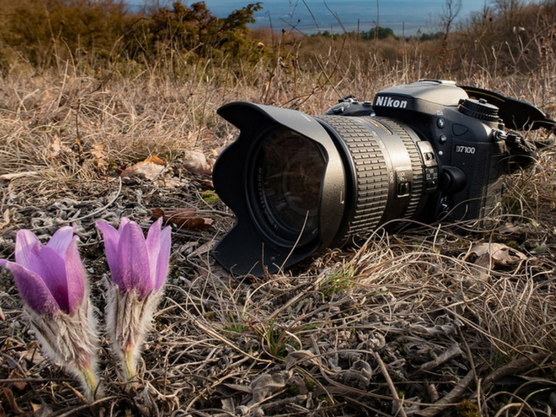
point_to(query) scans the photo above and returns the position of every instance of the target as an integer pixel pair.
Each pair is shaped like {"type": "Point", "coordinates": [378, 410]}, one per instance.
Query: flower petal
{"type": "Point", "coordinates": [123, 223]}
{"type": "Point", "coordinates": [25, 242]}
{"type": "Point", "coordinates": [32, 289]}
{"type": "Point", "coordinates": [61, 240]}
{"type": "Point", "coordinates": [163, 259]}
{"type": "Point", "coordinates": [51, 269]}
{"type": "Point", "coordinates": [134, 260]}
{"type": "Point", "coordinates": [76, 277]}
{"type": "Point", "coordinates": [111, 242]}
{"type": "Point", "coordinates": [153, 247]}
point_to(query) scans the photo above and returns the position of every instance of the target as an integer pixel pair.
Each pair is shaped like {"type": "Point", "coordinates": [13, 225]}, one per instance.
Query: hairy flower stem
{"type": "Point", "coordinates": [89, 381]}
{"type": "Point", "coordinates": [128, 319]}
{"type": "Point", "coordinates": [129, 365]}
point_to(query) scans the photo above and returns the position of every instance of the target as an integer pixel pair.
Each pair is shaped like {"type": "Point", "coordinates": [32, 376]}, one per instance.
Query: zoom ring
{"type": "Point", "coordinates": [361, 135]}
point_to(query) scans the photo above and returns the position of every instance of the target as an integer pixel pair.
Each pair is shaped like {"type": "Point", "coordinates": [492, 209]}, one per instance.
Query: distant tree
{"type": "Point", "coordinates": [509, 10]}
{"type": "Point", "coordinates": [193, 29]}
{"type": "Point", "coordinates": [450, 12]}
{"type": "Point", "coordinates": [327, 34]}
{"type": "Point", "coordinates": [431, 36]}
{"type": "Point", "coordinates": [381, 32]}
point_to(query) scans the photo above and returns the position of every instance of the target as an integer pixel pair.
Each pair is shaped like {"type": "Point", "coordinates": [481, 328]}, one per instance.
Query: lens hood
{"type": "Point", "coordinates": [255, 245]}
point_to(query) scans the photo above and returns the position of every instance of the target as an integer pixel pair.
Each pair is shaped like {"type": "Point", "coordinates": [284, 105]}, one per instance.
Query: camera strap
{"type": "Point", "coordinates": [516, 114]}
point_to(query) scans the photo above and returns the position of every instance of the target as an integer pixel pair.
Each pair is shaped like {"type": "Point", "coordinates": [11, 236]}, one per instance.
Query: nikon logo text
{"type": "Point", "coordinates": [390, 102]}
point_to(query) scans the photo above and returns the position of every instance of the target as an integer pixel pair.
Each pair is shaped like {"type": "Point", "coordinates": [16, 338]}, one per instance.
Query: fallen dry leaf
{"type": "Point", "coordinates": [265, 385]}
{"type": "Point", "coordinates": [12, 403]}
{"type": "Point", "coordinates": [57, 148]}
{"type": "Point", "coordinates": [15, 375]}
{"type": "Point", "coordinates": [496, 255]}
{"type": "Point", "coordinates": [196, 163]}
{"type": "Point", "coordinates": [203, 249]}
{"type": "Point", "coordinates": [186, 217]}
{"type": "Point", "coordinates": [99, 155]}
{"type": "Point", "coordinates": [218, 151]}
{"type": "Point", "coordinates": [5, 219]}
{"type": "Point", "coordinates": [148, 169]}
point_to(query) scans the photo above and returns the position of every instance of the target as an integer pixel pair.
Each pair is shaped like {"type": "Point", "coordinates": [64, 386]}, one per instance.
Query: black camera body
{"type": "Point", "coordinates": [424, 151]}
{"type": "Point", "coordinates": [469, 152]}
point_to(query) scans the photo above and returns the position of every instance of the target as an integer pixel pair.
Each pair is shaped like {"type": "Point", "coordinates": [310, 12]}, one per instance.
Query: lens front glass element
{"type": "Point", "coordinates": [290, 172]}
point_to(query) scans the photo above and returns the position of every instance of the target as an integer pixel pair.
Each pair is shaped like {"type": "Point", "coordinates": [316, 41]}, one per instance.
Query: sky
{"type": "Point", "coordinates": [405, 17]}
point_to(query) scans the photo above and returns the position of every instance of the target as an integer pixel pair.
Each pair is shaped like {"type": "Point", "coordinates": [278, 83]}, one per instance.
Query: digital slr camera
{"type": "Point", "coordinates": [430, 151]}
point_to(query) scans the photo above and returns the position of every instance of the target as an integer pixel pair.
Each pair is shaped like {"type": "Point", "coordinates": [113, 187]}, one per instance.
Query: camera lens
{"type": "Point", "coordinates": [299, 183]}
{"type": "Point", "coordinates": [288, 172]}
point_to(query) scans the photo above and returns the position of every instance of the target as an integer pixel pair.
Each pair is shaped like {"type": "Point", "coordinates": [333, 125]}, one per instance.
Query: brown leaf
{"type": "Point", "coordinates": [186, 217]}
{"type": "Point", "coordinates": [11, 401]}
{"type": "Point", "coordinates": [218, 151]}
{"type": "Point", "coordinates": [496, 255]}
{"type": "Point", "coordinates": [207, 183]}
{"type": "Point", "coordinates": [203, 249]}
{"type": "Point", "coordinates": [267, 384]}
{"type": "Point", "coordinates": [99, 156]}
{"type": "Point", "coordinates": [20, 385]}
{"type": "Point", "coordinates": [40, 409]}
{"type": "Point", "coordinates": [157, 214]}
{"type": "Point", "coordinates": [155, 160]}
{"type": "Point", "coordinates": [196, 163]}
{"type": "Point", "coordinates": [149, 169]}
{"type": "Point", "coordinates": [57, 148]}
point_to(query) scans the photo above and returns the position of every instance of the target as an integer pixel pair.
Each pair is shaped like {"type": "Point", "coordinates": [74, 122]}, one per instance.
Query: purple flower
{"type": "Point", "coordinates": [139, 267]}
{"type": "Point", "coordinates": [137, 263]}
{"type": "Point", "coordinates": [52, 284]}
{"type": "Point", "coordinates": [49, 278]}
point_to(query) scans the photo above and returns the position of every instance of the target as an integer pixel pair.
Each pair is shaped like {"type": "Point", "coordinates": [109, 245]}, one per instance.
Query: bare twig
{"type": "Point", "coordinates": [449, 399]}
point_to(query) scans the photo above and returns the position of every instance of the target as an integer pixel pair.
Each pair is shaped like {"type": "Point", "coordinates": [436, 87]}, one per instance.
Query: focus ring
{"type": "Point", "coordinates": [371, 174]}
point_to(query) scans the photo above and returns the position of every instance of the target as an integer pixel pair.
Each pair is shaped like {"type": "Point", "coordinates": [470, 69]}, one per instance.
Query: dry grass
{"type": "Point", "coordinates": [409, 324]}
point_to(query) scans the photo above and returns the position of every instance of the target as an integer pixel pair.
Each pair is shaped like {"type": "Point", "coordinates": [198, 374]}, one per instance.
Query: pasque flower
{"type": "Point", "coordinates": [138, 267]}
{"type": "Point", "coordinates": [53, 287]}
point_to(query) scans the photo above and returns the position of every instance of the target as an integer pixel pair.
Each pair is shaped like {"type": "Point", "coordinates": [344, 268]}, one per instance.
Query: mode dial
{"type": "Point", "coordinates": [479, 109]}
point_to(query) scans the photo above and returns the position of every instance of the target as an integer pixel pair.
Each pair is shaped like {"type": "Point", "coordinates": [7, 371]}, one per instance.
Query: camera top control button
{"type": "Point", "coordinates": [441, 123]}
{"type": "Point", "coordinates": [479, 109]}
{"type": "Point", "coordinates": [443, 138]}
{"type": "Point", "coordinates": [459, 130]}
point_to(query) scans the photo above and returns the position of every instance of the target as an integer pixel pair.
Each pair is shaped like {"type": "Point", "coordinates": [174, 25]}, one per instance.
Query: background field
{"type": "Point", "coordinates": [423, 323]}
